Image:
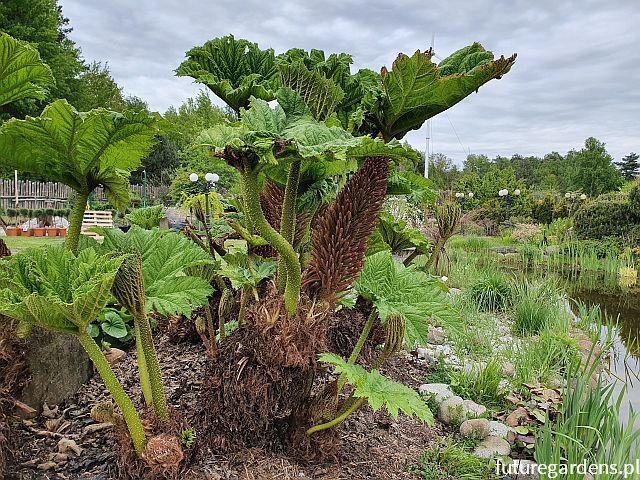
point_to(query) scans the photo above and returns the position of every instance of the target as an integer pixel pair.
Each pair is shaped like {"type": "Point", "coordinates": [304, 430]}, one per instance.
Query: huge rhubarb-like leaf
{"type": "Point", "coordinates": [379, 390]}
{"type": "Point", "coordinates": [396, 289]}
{"type": "Point", "coordinates": [22, 72]}
{"type": "Point", "coordinates": [416, 89]}
{"type": "Point", "coordinates": [235, 70]}
{"type": "Point", "coordinates": [166, 259]}
{"type": "Point", "coordinates": [52, 288]}
{"type": "Point", "coordinates": [82, 150]}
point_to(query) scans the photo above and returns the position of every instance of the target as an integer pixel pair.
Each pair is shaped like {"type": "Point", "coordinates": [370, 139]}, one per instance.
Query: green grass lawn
{"type": "Point", "coordinates": [16, 244]}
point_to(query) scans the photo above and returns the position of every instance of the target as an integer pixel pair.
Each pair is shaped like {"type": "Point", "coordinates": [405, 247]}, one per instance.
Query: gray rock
{"type": "Point", "coordinates": [451, 410]}
{"type": "Point", "coordinates": [59, 367]}
{"type": "Point", "coordinates": [455, 409]}
{"type": "Point", "coordinates": [508, 369]}
{"type": "Point", "coordinates": [435, 336]}
{"type": "Point", "coordinates": [525, 470]}
{"type": "Point", "coordinates": [473, 409]}
{"type": "Point", "coordinates": [439, 391]}
{"type": "Point", "coordinates": [491, 447]}
{"type": "Point", "coordinates": [476, 427]}
{"type": "Point", "coordinates": [499, 429]}
{"type": "Point", "coordinates": [454, 291]}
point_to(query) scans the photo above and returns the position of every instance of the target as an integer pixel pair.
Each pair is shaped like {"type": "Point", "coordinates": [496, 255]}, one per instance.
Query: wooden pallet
{"type": "Point", "coordinates": [96, 218]}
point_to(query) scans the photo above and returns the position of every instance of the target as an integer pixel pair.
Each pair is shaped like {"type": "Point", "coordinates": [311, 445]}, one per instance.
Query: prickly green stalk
{"type": "Point", "coordinates": [213, 346]}
{"type": "Point", "coordinates": [288, 218]}
{"type": "Point", "coordinates": [145, 382]}
{"type": "Point", "coordinates": [128, 288]}
{"type": "Point", "coordinates": [224, 308]}
{"type": "Point", "coordinates": [131, 417]}
{"type": "Point", "coordinates": [366, 331]}
{"type": "Point", "coordinates": [250, 192]}
{"type": "Point", "coordinates": [242, 314]}
{"type": "Point", "coordinates": [75, 223]}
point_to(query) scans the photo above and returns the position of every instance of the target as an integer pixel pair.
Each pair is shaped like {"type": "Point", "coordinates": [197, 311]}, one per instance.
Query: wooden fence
{"type": "Point", "coordinates": [56, 195]}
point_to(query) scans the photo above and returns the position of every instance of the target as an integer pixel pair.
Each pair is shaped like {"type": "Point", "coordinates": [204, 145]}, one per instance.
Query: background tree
{"type": "Point", "coordinates": [41, 23]}
{"type": "Point", "coordinates": [97, 88]}
{"type": "Point", "coordinates": [442, 171]}
{"type": "Point", "coordinates": [629, 166]}
{"type": "Point", "coordinates": [593, 171]}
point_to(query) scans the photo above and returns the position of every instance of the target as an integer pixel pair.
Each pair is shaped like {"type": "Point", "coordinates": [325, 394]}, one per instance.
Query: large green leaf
{"type": "Point", "coordinates": [82, 150]}
{"type": "Point", "coordinates": [22, 72]}
{"type": "Point", "coordinates": [246, 271]}
{"type": "Point", "coordinates": [396, 289]}
{"type": "Point", "coordinates": [235, 70]}
{"type": "Point", "coordinates": [379, 390]}
{"type": "Point", "coordinates": [53, 289]}
{"type": "Point", "coordinates": [416, 89]}
{"type": "Point", "coordinates": [167, 260]}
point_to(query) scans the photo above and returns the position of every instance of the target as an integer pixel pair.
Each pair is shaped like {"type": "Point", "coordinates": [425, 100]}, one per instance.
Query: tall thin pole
{"type": "Point", "coordinates": [15, 176]}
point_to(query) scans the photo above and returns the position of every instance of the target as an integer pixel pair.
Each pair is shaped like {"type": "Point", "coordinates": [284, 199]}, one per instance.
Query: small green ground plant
{"type": "Point", "coordinates": [491, 292]}
{"type": "Point", "coordinates": [452, 460]}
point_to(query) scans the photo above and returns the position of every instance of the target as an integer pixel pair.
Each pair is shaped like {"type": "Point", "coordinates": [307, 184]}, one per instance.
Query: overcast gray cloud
{"type": "Point", "coordinates": [577, 74]}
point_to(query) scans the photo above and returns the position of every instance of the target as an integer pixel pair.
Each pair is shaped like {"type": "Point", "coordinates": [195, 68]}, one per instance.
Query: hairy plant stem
{"type": "Point", "coordinates": [152, 367]}
{"type": "Point", "coordinates": [366, 331]}
{"type": "Point", "coordinates": [129, 412]}
{"type": "Point", "coordinates": [407, 261]}
{"type": "Point", "coordinates": [437, 249]}
{"type": "Point", "coordinates": [371, 320]}
{"type": "Point", "coordinates": [145, 382]}
{"type": "Point", "coordinates": [242, 314]}
{"type": "Point", "coordinates": [213, 345]}
{"type": "Point", "coordinates": [288, 217]}
{"type": "Point", "coordinates": [339, 419]}
{"type": "Point", "coordinates": [75, 223]}
{"type": "Point", "coordinates": [250, 192]}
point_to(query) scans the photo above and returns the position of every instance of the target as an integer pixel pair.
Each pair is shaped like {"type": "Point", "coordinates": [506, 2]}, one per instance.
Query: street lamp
{"type": "Point", "coordinates": [507, 198]}
{"type": "Point", "coordinates": [573, 197]}
{"type": "Point", "coordinates": [210, 182]}
{"type": "Point", "coordinates": [462, 198]}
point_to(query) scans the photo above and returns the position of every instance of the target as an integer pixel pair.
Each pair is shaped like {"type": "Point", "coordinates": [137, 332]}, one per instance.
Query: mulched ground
{"type": "Point", "coordinates": [373, 445]}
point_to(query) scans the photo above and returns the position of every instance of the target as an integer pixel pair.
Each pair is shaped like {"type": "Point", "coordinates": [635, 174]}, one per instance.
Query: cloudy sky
{"type": "Point", "coordinates": [577, 74]}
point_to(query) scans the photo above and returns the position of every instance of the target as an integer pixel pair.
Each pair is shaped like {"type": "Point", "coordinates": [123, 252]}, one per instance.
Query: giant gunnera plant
{"type": "Point", "coordinates": [315, 167]}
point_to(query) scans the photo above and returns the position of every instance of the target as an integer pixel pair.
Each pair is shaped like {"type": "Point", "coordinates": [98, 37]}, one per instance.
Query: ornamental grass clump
{"type": "Point", "coordinates": [491, 292]}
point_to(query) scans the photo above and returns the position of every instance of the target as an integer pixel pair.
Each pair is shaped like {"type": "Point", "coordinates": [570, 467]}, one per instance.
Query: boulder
{"type": "Point", "coordinates": [476, 427]}
{"type": "Point", "coordinates": [455, 409]}
{"type": "Point", "coordinates": [435, 336]}
{"type": "Point", "coordinates": [499, 429]}
{"type": "Point", "coordinates": [492, 447]}
{"type": "Point", "coordinates": [508, 369]}
{"type": "Point", "coordinates": [439, 391]}
{"type": "Point", "coordinates": [59, 366]}
{"type": "Point", "coordinates": [114, 355]}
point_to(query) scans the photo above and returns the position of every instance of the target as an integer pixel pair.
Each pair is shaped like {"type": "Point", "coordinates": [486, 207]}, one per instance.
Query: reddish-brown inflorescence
{"type": "Point", "coordinates": [340, 235]}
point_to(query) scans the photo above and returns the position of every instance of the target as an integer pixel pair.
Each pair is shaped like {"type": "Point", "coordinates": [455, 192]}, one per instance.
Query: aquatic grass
{"type": "Point", "coordinates": [472, 243]}
{"type": "Point", "coordinates": [535, 304]}
{"type": "Point", "coordinates": [588, 428]}
{"type": "Point", "coordinates": [491, 292]}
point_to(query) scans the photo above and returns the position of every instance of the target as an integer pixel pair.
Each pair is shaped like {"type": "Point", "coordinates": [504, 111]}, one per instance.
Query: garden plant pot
{"type": "Point", "coordinates": [13, 231]}
{"type": "Point", "coordinates": [52, 232]}
{"type": "Point", "coordinates": [62, 232]}
{"type": "Point", "coordinates": [27, 233]}
{"type": "Point", "coordinates": [38, 231]}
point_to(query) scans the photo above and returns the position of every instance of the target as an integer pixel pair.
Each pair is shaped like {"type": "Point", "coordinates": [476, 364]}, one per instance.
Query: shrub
{"type": "Point", "coordinates": [525, 231]}
{"type": "Point", "coordinates": [146, 218]}
{"type": "Point", "coordinates": [603, 217]}
{"type": "Point", "coordinates": [491, 292]}
{"type": "Point", "coordinates": [634, 199]}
